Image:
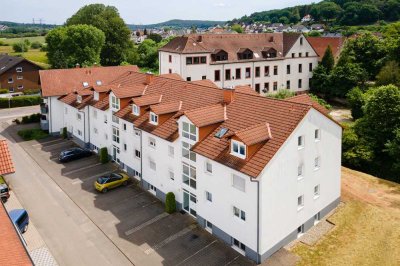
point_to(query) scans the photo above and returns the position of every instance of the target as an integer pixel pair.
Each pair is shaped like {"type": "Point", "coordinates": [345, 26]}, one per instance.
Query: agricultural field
{"type": "Point", "coordinates": [34, 55]}
{"type": "Point", "coordinates": [367, 225]}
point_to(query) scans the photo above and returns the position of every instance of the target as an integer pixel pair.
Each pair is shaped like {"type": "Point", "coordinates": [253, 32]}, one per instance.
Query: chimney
{"type": "Point", "coordinates": [229, 94]}
{"type": "Point", "coordinates": [149, 77]}
{"type": "Point", "coordinates": [77, 65]}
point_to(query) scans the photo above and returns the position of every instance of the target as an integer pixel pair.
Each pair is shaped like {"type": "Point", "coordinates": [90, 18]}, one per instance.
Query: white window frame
{"type": "Point", "coordinates": [317, 163]}
{"type": "Point", "coordinates": [115, 103]}
{"type": "Point", "coordinates": [20, 77]}
{"type": "Point", "coordinates": [187, 153]}
{"type": "Point", "coordinates": [85, 84]}
{"type": "Point", "coordinates": [19, 69]}
{"type": "Point", "coordinates": [153, 119]}
{"type": "Point", "coordinates": [189, 178]}
{"type": "Point", "coordinates": [136, 110]}
{"type": "Point", "coordinates": [209, 196]}
{"type": "Point", "coordinates": [300, 142]}
{"type": "Point", "coordinates": [300, 171]}
{"type": "Point", "coordinates": [152, 142]}
{"type": "Point", "coordinates": [10, 80]}
{"type": "Point", "coordinates": [171, 151]}
{"type": "Point", "coordinates": [300, 202]}
{"type": "Point", "coordinates": [239, 247]}
{"type": "Point", "coordinates": [241, 179]}
{"type": "Point", "coordinates": [79, 98]}
{"type": "Point", "coordinates": [189, 131]}
{"type": "Point", "coordinates": [115, 132]}
{"type": "Point", "coordinates": [317, 134]}
{"type": "Point", "coordinates": [99, 83]}
{"type": "Point", "coordinates": [240, 146]}
{"type": "Point", "coordinates": [239, 213]}
{"type": "Point", "coordinates": [20, 87]}
{"type": "Point", "coordinates": [208, 168]}
{"type": "Point", "coordinates": [317, 191]}
{"type": "Point", "coordinates": [171, 174]}
{"type": "Point", "coordinates": [137, 152]}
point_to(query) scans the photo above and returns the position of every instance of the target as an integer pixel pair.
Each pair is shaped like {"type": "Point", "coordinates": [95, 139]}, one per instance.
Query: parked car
{"type": "Point", "coordinates": [4, 190]}
{"type": "Point", "coordinates": [73, 154]}
{"type": "Point", "coordinates": [20, 218]}
{"type": "Point", "coordinates": [112, 180]}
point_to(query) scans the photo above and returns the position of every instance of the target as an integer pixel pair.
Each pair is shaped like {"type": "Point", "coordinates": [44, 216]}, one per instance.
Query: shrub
{"type": "Point", "coordinates": [36, 45]}
{"type": "Point", "coordinates": [20, 47]}
{"type": "Point", "coordinates": [31, 92]}
{"type": "Point", "coordinates": [320, 101]}
{"type": "Point", "coordinates": [3, 91]}
{"type": "Point", "coordinates": [30, 134]}
{"type": "Point", "coordinates": [64, 133]}
{"type": "Point", "coordinates": [281, 94]}
{"type": "Point", "coordinates": [19, 101]}
{"type": "Point", "coordinates": [170, 204]}
{"type": "Point", "coordinates": [103, 153]}
{"type": "Point", "coordinates": [33, 118]}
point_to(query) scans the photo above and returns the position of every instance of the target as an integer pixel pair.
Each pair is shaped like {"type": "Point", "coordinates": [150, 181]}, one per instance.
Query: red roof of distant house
{"type": "Point", "coordinates": [13, 252]}
{"type": "Point", "coordinates": [58, 82]}
{"type": "Point", "coordinates": [6, 164]}
{"type": "Point", "coordinates": [320, 44]}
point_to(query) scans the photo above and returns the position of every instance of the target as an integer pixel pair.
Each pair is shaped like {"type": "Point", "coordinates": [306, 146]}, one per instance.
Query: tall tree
{"type": "Point", "coordinates": [328, 61]}
{"type": "Point", "coordinates": [71, 45]}
{"type": "Point", "coordinates": [117, 34]}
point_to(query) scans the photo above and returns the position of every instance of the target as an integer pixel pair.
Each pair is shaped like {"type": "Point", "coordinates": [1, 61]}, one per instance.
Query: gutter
{"type": "Point", "coordinates": [258, 219]}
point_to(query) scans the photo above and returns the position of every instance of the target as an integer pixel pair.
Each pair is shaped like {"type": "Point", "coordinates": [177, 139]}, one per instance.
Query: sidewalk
{"type": "Point", "coordinates": [38, 250]}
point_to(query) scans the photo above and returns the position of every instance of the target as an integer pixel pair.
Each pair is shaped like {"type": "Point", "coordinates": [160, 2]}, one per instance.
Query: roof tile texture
{"type": "Point", "coordinates": [6, 164]}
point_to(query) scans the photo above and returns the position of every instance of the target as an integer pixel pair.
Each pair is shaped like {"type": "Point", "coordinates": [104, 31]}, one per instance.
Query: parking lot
{"type": "Point", "coordinates": [132, 219]}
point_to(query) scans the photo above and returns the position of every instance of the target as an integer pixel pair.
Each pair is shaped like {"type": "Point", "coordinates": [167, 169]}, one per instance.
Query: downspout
{"type": "Point", "coordinates": [141, 159]}
{"type": "Point", "coordinates": [252, 76]}
{"type": "Point", "coordinates": [258, 219]}
{"type": "Point", "coordinates": [222, 76]}
{"type": "Point", "coordinates": [50, 128]}
{"type": "Point", "coordinates": [84, 127]}
{"type": "Point", "coordinates": [89, 124]}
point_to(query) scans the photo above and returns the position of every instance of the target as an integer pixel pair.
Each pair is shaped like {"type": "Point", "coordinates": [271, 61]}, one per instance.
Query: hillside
{"type": "Point", "coordinates": [337, 12]}
{"type": "Point", "coordinates": [177, 23]}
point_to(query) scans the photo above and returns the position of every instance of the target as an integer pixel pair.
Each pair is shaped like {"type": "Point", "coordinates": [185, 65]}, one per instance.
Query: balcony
{"type": "Point", "coordinates": [44, 108]}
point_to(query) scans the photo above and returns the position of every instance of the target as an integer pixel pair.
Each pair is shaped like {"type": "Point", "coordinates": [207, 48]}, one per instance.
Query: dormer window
{"type": "Point", "coordinates": [189, 131]}
{"type": "Point", "coordinates": [114, 102]}
{"type": "Point", "coordinates": [136, 110]}
{"type": "Point", "coordinates": [269, 53]}
{"type": "Point", "coordinates": [99, 82]}
{"type": "Point", "coordinates": [238, 149]}
{"type": "Point", "coordinates": [153, 118]}
{"type": "Point", "coordinates": [96, 96]}
{"type": "Point", "coordinates": [244, 54]}
{"type": "Point", "coordinates": [79, 98]}
{"type": "Point", "coordinates": [219, 55]}
{"type": "Point", "coordinates": [85, 84]}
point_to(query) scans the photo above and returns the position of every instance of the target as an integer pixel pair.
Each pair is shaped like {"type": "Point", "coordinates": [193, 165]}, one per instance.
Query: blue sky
{"type": "Point", "coordinates": [141, 11]}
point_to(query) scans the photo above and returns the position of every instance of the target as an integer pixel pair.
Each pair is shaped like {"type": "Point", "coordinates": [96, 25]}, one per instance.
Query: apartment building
{"type": "Point", "coordinates": [255, 172]}
{"type": "Point", "coordinates": [267, 62]}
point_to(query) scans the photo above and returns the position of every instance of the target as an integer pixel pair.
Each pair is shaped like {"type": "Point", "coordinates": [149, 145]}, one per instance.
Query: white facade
{"type": "Point", "coordinates": [267, 206]}
{"type": "Point", "coordinates": [264, 82]}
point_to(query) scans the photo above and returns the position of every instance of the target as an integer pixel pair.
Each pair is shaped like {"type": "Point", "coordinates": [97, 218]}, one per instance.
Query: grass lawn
{"type": "Point", "coordinates": [367, 230]}
{"type": "Point", "coordinates": [32, 133]}
{"type": "Point", "coordinates": [10, 41]}
{"type": "Point", "coordinates": [34, 55]}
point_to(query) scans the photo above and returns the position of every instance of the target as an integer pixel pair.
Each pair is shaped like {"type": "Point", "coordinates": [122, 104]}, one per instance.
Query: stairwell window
{"type": "Point", "coordinates": [153, 118]}
{"type": "Point", "coordinates": [300, 202]}
{"type": "Point", "coordinates": [300, 142]}
{"type": "Point", "coordinates": [189, 175]}
{"type": "Point", "coordinates": [115, 136]}
{"type": "Point", "coordinates": [317, 135]}
{"type": "Point", "coordinates": [114, 102]}
{"type": "Point", "coordinates": [316, 192]}
{"type": "Point", "coordinates": [187, 153]}
{"type": "Point", "coordinates": [317, 163]}
{"type": "Point", "coordinates": [300, 170]}
{"type": "Point", "coordinates": [189, 131]}
{"type": "Point", "coordinates": [238, 149]}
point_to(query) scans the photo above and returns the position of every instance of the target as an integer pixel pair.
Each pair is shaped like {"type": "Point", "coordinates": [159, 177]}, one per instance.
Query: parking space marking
{"type": "Point", "coordinates": [169, 239]}
{"type": "Point", "coordinates": [82, 179]}
{"type": "Point", "coordinates": [77, 182]}
{"type": "Point", "coordinates": [148, 204]}
{"type": "Point", "coordinates": [232, 261]}
{"type": "Point", "coordinates": [51, 145]}
{"type": "Point", "coordinates": [81, 169]}
{"type": "Point", "coordinates": [143, 225]}
{"type": "Point", "coordinates": [191, 256]}
{"type": "Point", "coordinates": [43, 143]}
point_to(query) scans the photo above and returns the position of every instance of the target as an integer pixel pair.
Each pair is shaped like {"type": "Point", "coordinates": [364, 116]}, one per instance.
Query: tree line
{"type": "Point", "coordinates": [336, 12]}
{"type": "Point", "coordinates": [367, 74]}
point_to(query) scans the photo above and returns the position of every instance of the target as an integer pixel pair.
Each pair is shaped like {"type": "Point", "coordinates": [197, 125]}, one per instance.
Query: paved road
{"type": "Point", "coordinates": [71, 236]}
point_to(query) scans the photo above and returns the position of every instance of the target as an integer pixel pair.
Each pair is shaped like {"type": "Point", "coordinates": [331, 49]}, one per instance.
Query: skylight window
{"type": "Point", "coordinates": [221, 132]}
{"type": "Point", "coordinates": [85, 84]}
{"type": "Point", "coordinates": [99, 82]}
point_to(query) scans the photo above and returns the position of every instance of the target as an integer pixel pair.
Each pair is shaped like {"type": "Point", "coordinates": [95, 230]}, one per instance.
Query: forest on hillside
{"type": "Point", "coordinates": [335, 12]}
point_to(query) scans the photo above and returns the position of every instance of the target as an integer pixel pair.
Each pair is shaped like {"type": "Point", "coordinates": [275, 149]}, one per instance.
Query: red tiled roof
{"type": "Point", "coordinates": [233, 43]}
{"type": "Point", "coordinates": [320, 44]}
{"type": "Point", "coordinates": [6, 164]}
{"type": "Point", "coordinates": [148, 99]}
{"type": "Point", "coordinates": [255, 134]}
{"type": "Point", "coordinates": [166, 108]}
{"type": "Point", "coordinates": [13, 252]}
{"type": "Point", "coordinates": [102, 105]}
{"type": "Point", "coordinates": [246, 89]}
{"type": "Point", "coordinates": [57, 82]}
{"type": "Point", "coordinates": [205, 82]}
{"type": "Point", "coordinates": [207, 115]}
{"type": "Point", "coordinates": [129, 91]}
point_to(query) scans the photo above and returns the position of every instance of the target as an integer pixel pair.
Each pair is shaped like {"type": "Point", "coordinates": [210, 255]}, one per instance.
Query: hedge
{"type": "Point", "coordinates": [19, 101]}
{"type": "Point", "coordinates": [170, 204]}
{"type": "Point", "coordinates": [64, 133]}
{"type": "Point", "coordinates": [103, 153]}
{"type": "Point", "coordinates": [3, 91]}
{"type": "Point", "coordinates": [33, 118]}
{"type": "Point", "coordinates": [30, 134]}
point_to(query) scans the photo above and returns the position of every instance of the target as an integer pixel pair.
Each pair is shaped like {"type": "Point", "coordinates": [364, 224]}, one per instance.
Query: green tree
{"type": "Point", "coordinates": [155, 37]}
{"type": "Point", "coordinates": [237, 28]}
{"type": "Point", "coordinates": [117, 34]}
{"type": "Point", "coordinates": [320, 80]}
{"type": "Point", "coordinates": [392, 147]}
{"type": "Point", "coordinates": [148, 54]}
{"type": "Point", "coordinates": [170, 203]}
{"type": "Point", "coordinates": [329, 10]}
{"type": "Point", "coordinates": [328, 61]}
{"type": "Point", "coordinates": [356, 152]}
{"type": "Point", "coordinates": [20, 47]}
{"type": "Point", "coordinates": [356, 99]}
{"type": "Point", "coordinates": [71, 45]}
{"type": "Point", "coordinates": [345, 77]}
{"type": "Point", "coordinates": [389, 74]}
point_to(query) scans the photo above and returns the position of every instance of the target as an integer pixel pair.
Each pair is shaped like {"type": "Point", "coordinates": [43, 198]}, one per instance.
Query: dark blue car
{"type": "Point", "coordinates": [73, 154]}
{"type": "Point", "coordinates": [20, 218]}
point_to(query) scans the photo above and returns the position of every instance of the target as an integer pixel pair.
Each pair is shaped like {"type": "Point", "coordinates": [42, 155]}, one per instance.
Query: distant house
{"type": "Point", "coordinates": [320, 44]}
{"type": "Point", "coordinates": [18, 74]}
{"type": "Point", "coordinates": [300, 28]}
{"type": "Point", "coordinates": [284, 28]}
{"type": "Point", "coordinates": [306, 18]}
{"type": "Point", "coordinates": [318, 27]}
